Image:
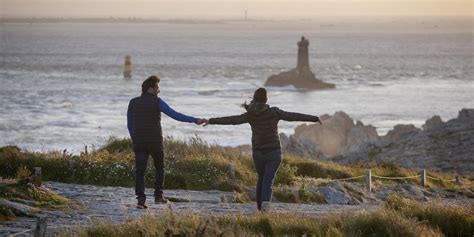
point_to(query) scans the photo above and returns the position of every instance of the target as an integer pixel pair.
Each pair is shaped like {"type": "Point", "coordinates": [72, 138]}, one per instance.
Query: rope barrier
{"type": "Point", "coordinates": [374, 176]}
{"type": "Point", "coordinates": [351, 178]}
{"type": "Point", "coordinates": [396, 178]}
{"type": "Point", "coordinates": [19, 233]}
{"type": "Point", "coordinates": [445, 180]}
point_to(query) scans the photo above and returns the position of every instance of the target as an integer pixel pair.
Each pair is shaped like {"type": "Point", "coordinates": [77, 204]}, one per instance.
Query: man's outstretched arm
{"type": "Point", "coordinates": [165, 108]}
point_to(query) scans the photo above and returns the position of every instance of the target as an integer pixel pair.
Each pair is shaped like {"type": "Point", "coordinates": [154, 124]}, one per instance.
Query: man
{"type": "Point", "coordinates": [144, 126]}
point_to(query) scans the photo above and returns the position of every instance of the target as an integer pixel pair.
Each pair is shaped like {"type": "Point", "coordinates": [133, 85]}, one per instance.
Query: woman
{"type": "Point", "coordinates": [266, 148]}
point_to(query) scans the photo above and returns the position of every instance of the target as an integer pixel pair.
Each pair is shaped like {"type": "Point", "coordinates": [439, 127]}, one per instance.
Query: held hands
{"type": "Point", "coordinates": [202, 121]}
{"type": "Point", "coordinates": [319, 121]}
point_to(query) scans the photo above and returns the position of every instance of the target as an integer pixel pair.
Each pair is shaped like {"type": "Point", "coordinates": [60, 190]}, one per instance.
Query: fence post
{"type": "Point", "coordinates": [458, 180]}
{"type": "Point", "coordinates": [41, 225]}
{"type": "Point", "coordinates": [231, 167]}
{"type": "Point", "coordinates": [368, 180]}
{"type": "Point", "coordinates": [423, 177]}
{"type": "Point", "coordinates": [37, 176]}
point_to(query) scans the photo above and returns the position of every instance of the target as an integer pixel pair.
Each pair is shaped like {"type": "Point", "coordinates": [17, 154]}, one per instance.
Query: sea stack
{"type": "Point", "coordinates": [301, 77]}
{"type": "Point", "coordinates": [127, 67]}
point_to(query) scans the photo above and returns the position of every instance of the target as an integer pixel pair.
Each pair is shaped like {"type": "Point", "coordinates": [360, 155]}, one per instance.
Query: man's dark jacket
{"type": "Point", "coordinates": [145, 119]}
{"type": "Point", "coordinates": [263, 120]}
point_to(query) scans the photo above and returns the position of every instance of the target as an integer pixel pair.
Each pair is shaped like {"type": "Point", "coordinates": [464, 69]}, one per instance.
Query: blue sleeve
{"type": "Point", "coordinates": [129, 120]}
{"type": "Point", "coordinates": [165, 108]}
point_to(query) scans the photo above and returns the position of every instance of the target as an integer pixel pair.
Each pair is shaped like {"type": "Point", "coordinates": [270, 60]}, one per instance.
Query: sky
{"type": "Point", "coordinates": [221, 9]}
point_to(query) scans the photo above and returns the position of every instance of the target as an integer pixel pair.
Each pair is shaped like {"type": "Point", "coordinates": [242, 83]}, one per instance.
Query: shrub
{"type": "Point", "coordinates": [10, 152]}
{"type": "Point", "coordinates": [302, 195]}
{"type": "Point", "coordinates": [23, 173]}
{"type": "Point", "coordinates": [286, 173]}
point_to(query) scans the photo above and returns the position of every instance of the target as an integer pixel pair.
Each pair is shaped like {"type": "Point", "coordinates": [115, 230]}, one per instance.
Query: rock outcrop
{"type": "Point", "coordinates": [337, 136]}
{"type": "Point", "coordinates": [442, 146]}
{"type": "Point", "coordinates": [301, 77]}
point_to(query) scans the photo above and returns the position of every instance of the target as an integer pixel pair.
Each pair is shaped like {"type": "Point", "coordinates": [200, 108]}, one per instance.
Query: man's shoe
{"type": "Point", "coordinates": [142, 206]}
{"type": "Point", "coordinates": [266, 206]}
{"type": "Point", "coordinates": [161, 200]}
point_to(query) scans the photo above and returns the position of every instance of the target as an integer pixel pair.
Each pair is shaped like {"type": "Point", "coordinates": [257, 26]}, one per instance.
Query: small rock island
{"type": "Point", "coordinates": [301, 77]}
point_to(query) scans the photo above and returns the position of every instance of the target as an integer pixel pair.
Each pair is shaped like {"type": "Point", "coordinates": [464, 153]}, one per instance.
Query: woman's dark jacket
{"type": "Point", "coordinates": [264, 122]}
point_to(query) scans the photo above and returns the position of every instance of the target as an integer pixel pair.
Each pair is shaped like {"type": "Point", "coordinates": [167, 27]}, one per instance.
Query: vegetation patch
{"type": "Point", "coordinates": [383, 222]}
{"type": "Point", "coordinates": [452, 221]}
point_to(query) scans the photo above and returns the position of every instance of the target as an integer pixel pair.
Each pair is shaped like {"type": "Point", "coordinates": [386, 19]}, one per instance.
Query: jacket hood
{"type": "Point", "coordinates": [256, 107]}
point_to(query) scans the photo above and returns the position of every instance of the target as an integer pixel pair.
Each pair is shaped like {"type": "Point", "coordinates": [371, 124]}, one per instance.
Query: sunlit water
{"type": "Point", "coordinates": [62, 84]}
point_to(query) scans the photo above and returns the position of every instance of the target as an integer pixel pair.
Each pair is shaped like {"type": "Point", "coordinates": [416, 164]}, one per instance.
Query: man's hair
{"type": "Point", "coordinates": [150, 82]}
{"type": "Point", "coordinates": [260, 95]}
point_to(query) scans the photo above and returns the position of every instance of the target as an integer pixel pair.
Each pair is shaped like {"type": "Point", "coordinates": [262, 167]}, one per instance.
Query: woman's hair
{"type": "Point", "coordinates": [259, 96]}
{"type": "Point", "coordinates": [150, 82]}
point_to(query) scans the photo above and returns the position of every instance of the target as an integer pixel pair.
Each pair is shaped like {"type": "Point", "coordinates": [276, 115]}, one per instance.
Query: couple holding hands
{"type": "Point", "coordinates": [144, 126]}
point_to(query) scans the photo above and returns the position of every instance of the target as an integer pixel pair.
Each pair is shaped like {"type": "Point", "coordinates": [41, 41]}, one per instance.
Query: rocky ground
{"type": "Point", "coordinates": [117, 204]}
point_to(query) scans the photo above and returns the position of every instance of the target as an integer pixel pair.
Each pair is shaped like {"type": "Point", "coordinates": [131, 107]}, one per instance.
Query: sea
{"type": "Point", "coordinates": [62, 84]}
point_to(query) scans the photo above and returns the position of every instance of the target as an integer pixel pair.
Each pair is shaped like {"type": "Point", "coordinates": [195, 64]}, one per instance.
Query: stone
{"type": "Point", "coordinates": [432, 123]}
{"type": "Point", "coordinates": [466, 115]}
{"type": "Point", "coordinates": [401, 130]}
{"type": "Point", "coordinates": [18, 208]}
{"type": "Point", "coordinates": [333, 195]}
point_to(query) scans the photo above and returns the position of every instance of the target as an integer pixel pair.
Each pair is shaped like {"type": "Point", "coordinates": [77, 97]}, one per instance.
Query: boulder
{"type": "Point", "coordinates": [338, 135]}
{"type": "Point", "coordinates": [432, 123]}
{"type": "Point", "coordinates": [401, 130]}
{"type": "Point", "coordinates": [345, 193]}
{"type": "Point", "coordinates": [466, 115]}
{"type": "Point", "coordinates": [18, 208]}
{"type": "Point", "coordinates": [333, 194]}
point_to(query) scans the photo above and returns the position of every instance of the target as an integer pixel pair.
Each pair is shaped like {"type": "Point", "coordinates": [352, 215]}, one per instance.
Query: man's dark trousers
{"type": "Point", "coordinates": [142, 152]}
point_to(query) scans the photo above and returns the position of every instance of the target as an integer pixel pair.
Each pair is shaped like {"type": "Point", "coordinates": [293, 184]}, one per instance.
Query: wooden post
{"type": "Point", "coordinates": [231, 172]}
{"type": "Point", "coordinates": [368, 180]}
{"type": "Point", "coordinates": [458, 180]}
{"type": "Point", "coordinates": [423, 177]}
{"type": "Point", "coordinates": [41, 225]}
{"type": "Point", "coordinates": [127, 67]}
{"type": "Point", "coordinates": [37, 176]}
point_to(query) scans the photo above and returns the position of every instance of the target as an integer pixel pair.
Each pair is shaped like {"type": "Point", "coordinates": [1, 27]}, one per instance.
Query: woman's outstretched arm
{"type": "Point", "coordinates": [230, 120]}
{"type": "Point", "coordinates": [290, 116]}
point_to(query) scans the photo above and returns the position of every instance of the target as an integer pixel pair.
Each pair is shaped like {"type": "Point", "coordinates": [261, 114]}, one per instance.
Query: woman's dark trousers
{"type": "Point", "coordinates": [266, 164]}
